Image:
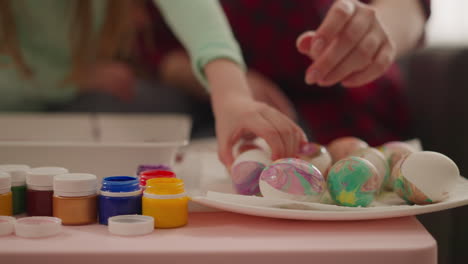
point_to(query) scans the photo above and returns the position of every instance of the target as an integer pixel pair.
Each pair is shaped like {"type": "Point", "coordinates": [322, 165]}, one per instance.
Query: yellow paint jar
{"type": "Point", "coordinates": [166, 201]}
{"type": "Point", "coordinates": [6, 196]}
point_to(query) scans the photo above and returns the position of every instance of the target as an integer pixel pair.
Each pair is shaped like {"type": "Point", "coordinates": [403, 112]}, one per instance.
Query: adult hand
{"type": "Point", "coordinates": [350, 47]}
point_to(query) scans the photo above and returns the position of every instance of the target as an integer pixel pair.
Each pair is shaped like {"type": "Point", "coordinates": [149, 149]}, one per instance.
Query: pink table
{"type": "Point", "coordinates": [222, 237]}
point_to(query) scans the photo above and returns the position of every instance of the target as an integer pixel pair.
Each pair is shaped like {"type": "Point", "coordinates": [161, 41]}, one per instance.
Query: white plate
{"type": "Point", "coordinates": [209, 184]}
{"type": "Point", "coordinates": [387, 207]}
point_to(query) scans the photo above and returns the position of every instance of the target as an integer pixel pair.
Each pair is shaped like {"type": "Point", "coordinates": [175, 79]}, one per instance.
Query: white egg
{"type": "Point", "coordinates": [425, 177]}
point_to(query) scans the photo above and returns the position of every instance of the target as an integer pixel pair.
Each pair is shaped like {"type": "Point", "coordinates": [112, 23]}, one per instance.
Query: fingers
{"type": "Point", "coordinates": [336, 19]}
{"type": "Point", "coordinates": [225, 146]}
{"type": "Point", "coordinates": [361, 57]}
{"type": "Point", "coordinates": [282, 135]}
{"type": "Point", "coordinates": [383, 60]}
{"type": "Point", "coordinates": [287, 132]}
{"type": "Point", "coordinates": [259, 126]}
{"type": "Point", "coordinates": [274, 134]}
{"type": "Point", "coordinates": [304, 42]}
{"type": "Point", "coordinates": [352, 33]}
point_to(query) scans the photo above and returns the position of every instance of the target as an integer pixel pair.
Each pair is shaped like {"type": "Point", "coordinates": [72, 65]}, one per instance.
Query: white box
{"type": "Point", "coordinates": [102, 144]}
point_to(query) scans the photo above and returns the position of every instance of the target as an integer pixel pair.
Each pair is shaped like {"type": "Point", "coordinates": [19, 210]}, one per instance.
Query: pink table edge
{"type": "Point", "coordinates": [222, 237]}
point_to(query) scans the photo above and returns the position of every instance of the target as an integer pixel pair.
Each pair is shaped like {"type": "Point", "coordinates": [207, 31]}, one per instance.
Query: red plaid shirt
{"type": "Point", "coordinates": [267, 32]}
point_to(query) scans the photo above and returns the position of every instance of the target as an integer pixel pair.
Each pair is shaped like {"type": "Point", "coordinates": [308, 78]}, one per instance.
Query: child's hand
{"type": "Point", "coordinates": [350, 46]}
{"type": "Point", "coordinates": [244, 117]}
{"type": "Point", "coordinates": [238, 115]}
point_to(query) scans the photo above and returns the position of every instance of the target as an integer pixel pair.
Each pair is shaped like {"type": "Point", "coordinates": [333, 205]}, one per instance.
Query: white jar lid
{"type": "Point", "coordinates": [75, 184]}
{"type": "Point", "coordinates": [131, 225]}
{"type": "Point", "coordinates": [38, 226]}
{"type": "Point", "coordinates": [43, 176]}
{"type": "Point", "coordinates": [5, 182]}
{"type": "Point", "coordinates": [7, 225]}
{"type": "Point", "coordinates": [18, 173]}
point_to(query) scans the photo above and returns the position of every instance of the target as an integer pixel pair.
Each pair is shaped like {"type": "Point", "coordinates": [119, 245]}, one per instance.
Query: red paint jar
{"type": "Point", "coordinates": [39, 182]}
{"type": "Point", "coordinates": [152, 174]}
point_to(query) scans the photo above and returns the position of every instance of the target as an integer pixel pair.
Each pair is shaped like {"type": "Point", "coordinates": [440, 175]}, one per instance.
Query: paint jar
{"type": "Point", "coordinates": [75, 198]}
{"type": "Point", "coordinates": [18, 174]}
{"type": "Point", "coordinates": [39, 192]}
{"type": "Point", "coordinates": [165, 200]}
{"type": "Point", "coordinates": [120, 195]}
{"type": "Point", "coordinates": [152, 174]}
{"type": "Point", "coordinates": [148, 167]}
{"type": "Point", "coordinates": [6, 197]}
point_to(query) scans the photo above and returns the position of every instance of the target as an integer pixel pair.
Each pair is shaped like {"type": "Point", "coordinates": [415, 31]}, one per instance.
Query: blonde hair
{"type": "Point", "coordinates": [115, 37]}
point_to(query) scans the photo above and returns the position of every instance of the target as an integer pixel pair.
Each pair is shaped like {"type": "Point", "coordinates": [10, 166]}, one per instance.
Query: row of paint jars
{"type": "Point", "coordinates": [73, 197]}
{"type": "Point", "coordinates": [27, 190]}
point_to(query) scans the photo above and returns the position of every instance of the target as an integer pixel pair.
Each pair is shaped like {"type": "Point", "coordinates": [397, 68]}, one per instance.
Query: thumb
{"type": "Point", "coordinates": [304, 42]}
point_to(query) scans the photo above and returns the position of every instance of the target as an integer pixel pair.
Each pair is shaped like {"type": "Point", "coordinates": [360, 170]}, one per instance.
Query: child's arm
{"type": "Point", "coordinates": [356, 42]}
{"type": "Point", "coordinates": [203, 30]}
{"type": "Point", "coordinates": [217, 62]}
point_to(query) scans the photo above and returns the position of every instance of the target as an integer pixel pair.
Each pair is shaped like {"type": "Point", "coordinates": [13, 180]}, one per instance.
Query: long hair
{"type": "Point", "coordinates": [115, 36]}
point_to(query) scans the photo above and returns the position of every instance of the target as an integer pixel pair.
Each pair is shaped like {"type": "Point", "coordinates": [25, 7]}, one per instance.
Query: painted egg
{"type": "Point", "coordinates": [292, 179]}
{"type": "Point", "coordinates": [378, 160]}
{"type": "Point", "coordinates": [341, 148]}
{"type": "Point", "coordinates": [425, 177]}
{"type": "Point", "coordinates": [353, 182]}
{"type": "Point", "coordinates": [317, 155]}
{"type": "Point", "coordinates": [394, 151]}
{"type": "Point", "coordinates": [246, 170]}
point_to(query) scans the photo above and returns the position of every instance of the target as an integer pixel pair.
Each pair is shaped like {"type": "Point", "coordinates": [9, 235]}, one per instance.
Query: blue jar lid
{"type": "Point", "coordinates": [120, 184]}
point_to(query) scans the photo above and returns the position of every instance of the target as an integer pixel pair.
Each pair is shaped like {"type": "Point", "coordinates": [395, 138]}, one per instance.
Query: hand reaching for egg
{"type": "Point", "coordinates": [350, 47]}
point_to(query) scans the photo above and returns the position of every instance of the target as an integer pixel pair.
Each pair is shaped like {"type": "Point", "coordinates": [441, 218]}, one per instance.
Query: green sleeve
{"type": "Point", "coordinates": [204, 31]}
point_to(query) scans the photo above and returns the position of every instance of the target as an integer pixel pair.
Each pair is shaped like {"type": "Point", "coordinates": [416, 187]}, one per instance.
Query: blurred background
{"type": "Point", "coordinates": [448, 23]}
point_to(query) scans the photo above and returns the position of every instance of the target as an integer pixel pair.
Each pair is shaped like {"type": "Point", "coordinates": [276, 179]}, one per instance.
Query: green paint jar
{"type": "Point", "coordinates": [18, 185]}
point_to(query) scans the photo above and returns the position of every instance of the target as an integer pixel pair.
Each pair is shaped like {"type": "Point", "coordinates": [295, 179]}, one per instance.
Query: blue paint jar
{"type": "Point", "coordinates": [120, 195]}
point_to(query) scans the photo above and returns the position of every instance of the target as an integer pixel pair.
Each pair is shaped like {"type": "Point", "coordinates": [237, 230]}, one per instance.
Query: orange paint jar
{"type": "Point", "coordinates": [75, 198]}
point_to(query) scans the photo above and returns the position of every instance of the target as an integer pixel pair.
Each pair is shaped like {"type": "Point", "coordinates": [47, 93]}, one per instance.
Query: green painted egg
{"type": "Point", "coordinates": [353, 182]}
